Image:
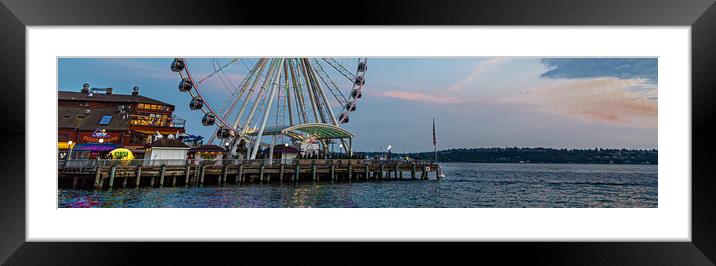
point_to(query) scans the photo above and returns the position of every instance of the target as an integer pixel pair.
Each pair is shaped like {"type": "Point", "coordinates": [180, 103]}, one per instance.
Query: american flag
{"type": "Point", "coordinates": [435, 140]}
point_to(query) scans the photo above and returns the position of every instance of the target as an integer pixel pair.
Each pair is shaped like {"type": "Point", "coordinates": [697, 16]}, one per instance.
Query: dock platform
{"type": "Point", "coordinates": [108, 174]}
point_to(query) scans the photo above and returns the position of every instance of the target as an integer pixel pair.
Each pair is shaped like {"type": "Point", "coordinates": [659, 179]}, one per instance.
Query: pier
{"type": "Point", "coordinates": [107, 174]}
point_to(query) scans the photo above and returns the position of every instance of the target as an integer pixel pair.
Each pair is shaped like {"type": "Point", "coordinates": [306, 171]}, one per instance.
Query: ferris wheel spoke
{"type": "Point", "coordinates": [328, 82]}
{"type": "Point", "coordinates": [323, 97]}
{"type": "Point", "coordinates": [300, 104]}
{"type": "Point", "coordinates": [333, 63]}
{"type": "Point", "coordinates": [272, 92]}
{"type": "Point", "coordinates": [224, 79]}
{"type": "Point", "coordinates": [216, 71]}
{"type": "Point", "coordinates": [261, 65]}
{"type": "Point", "coordinates": [287, 93]}
{"type": "Point", "coordinates": [259, 94]}
{"type": "Point", "coordinates": [309, 90]}
{"type": "Point", "coordinates": [237, 96]}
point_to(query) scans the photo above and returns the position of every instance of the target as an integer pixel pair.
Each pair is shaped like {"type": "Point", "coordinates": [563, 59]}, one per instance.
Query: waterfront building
{"type": "Point", "coordinates": [166, 151]}
{"type": "Point", "coordinates": [99, 116]}
{"type": "Point", "coordinates": [206, 152]}
{"type": "Point", "coordinates": [285, 152]}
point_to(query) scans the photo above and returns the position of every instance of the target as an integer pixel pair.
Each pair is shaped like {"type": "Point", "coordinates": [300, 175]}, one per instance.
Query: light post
{"type": "Point", "coordinates": [69, 152]}
{"type": "Point", "coordinates": [227, 152]}
{"type": "Point", "coordinates": [388, 157]}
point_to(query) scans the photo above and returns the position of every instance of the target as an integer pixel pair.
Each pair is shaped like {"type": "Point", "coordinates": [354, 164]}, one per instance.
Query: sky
{"type": "Point", "coordinates": [476, 102]}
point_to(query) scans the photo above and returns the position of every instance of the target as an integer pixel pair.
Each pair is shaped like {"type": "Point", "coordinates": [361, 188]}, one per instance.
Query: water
{"type": "Point", "coordinates": [466, 185]}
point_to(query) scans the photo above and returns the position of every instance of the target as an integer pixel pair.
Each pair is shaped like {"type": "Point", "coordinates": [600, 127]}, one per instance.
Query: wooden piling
{"type": "Point", "coordinates": [313, 170]}
{"type": "Point", "coordinates": [240, 173]}
{"type": "Point", "coordinates": [225, 171]}
{"type": "Point", "coordinates": [111, 176]}
{"type": "Point", "coordinates": [350, 171]}
{"type": "Point", "coordinates": [162, 170]}
{"type": "Point", "coordinates": [333, 172]}
{"type": "Point", "coordinates": [202, 170]}
{"type": "Point", "coordinates": [366, 174]}
{"type": "Point", "coordinates": [280, 172]}
{"type": "Point", "coordinates": [261, 173]}
{"type": "Point", "coordinates": [139, 175]}
{"type": "Point", "coordinates": [124, 182]}
{"type": "Point", "coordinates": [297, 173]}
{"type": "Point", "coordinates": [97, 177]}
{"type": "Point", "coordinates": [412, 171]}
{"type": "Point", "coordinates": [74, 181]}
{"type": "Point", "coordinates": [186, 176]}
{"type": "Point", "coordinates": [382, 170]}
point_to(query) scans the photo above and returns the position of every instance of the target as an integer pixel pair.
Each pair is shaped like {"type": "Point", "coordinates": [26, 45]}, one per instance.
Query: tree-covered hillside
{"type": "Point", "coordinates": [538, 155]}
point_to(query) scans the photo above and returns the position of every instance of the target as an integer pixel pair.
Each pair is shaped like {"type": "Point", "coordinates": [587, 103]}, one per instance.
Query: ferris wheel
{"type": "Point", "coordinates": [289, 100]}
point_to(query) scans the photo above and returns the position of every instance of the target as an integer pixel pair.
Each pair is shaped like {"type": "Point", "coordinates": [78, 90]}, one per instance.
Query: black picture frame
{"type": "Point", "coordinates": [15, 15]}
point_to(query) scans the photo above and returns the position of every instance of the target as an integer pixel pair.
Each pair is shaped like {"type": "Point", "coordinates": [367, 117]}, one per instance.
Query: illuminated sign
{"type": "Point", "coordinates": [107, 139]}
{"type": "Point", "coordinates": [101, 136]}
{"type": "Point", "coordinates": [99, 133]}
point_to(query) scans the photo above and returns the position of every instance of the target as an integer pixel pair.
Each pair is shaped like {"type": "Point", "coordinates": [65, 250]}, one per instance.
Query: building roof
{"type": "Point", "coordinates": [103, 97]}
{"type": "Point", "coordinates": [169, 143]}
{"type": "Point", "coordinates": [208, 148]}
{"type": "Point", "coordinates": [80, 118]}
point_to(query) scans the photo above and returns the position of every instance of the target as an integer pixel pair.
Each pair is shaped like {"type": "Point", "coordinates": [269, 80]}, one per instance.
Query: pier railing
{"type": "Point", "coordinates": [90, 164]}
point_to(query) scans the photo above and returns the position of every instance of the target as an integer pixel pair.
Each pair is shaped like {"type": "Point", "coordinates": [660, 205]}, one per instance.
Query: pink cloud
{"type": "Point", "coordinates": [599, 100]}
{"type": "Point", "coordinates": [476, 71]}
{"type": "Point", "coordinates": [421, 97]}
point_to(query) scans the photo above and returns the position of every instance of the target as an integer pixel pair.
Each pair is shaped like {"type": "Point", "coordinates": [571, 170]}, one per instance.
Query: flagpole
{"type": "Point", "coordinates": [435, 146]}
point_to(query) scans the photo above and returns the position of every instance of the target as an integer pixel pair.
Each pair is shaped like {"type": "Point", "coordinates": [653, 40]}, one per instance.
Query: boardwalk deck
{"type": "Point", "coordinates": [108, 174]}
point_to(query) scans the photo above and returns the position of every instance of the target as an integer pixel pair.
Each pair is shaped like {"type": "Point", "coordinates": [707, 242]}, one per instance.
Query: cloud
{"type": "Point", "coordinates": [421, 97]}
{"type": "Point", "coordinates": [442, 96]}
{"type": "Point", "coordinates": [625, 102]}
{"type": "Point", "coordinates": [476, 71]}
{"type": "Point", "coordinates": [624, 68]}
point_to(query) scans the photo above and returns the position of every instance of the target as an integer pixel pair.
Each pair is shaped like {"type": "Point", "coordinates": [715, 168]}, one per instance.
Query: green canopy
{"type": "Point", "coordinates": [302, 131]}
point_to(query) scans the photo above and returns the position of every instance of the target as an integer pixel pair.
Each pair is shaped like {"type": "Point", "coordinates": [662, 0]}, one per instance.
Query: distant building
{"type": "Point", "coordinates": [99, 116]}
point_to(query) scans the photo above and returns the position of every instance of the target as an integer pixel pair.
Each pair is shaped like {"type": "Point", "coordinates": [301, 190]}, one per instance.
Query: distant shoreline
{"type": "Point", "coordinates": [535, 156]}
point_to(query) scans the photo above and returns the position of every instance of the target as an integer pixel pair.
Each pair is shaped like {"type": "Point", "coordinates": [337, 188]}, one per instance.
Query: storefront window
{"type": "Point", "coordinates": [150, 119]}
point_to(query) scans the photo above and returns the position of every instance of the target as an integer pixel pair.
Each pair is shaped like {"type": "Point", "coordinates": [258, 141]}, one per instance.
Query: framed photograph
{"type": "Point", "coordinates": [577, 129]}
